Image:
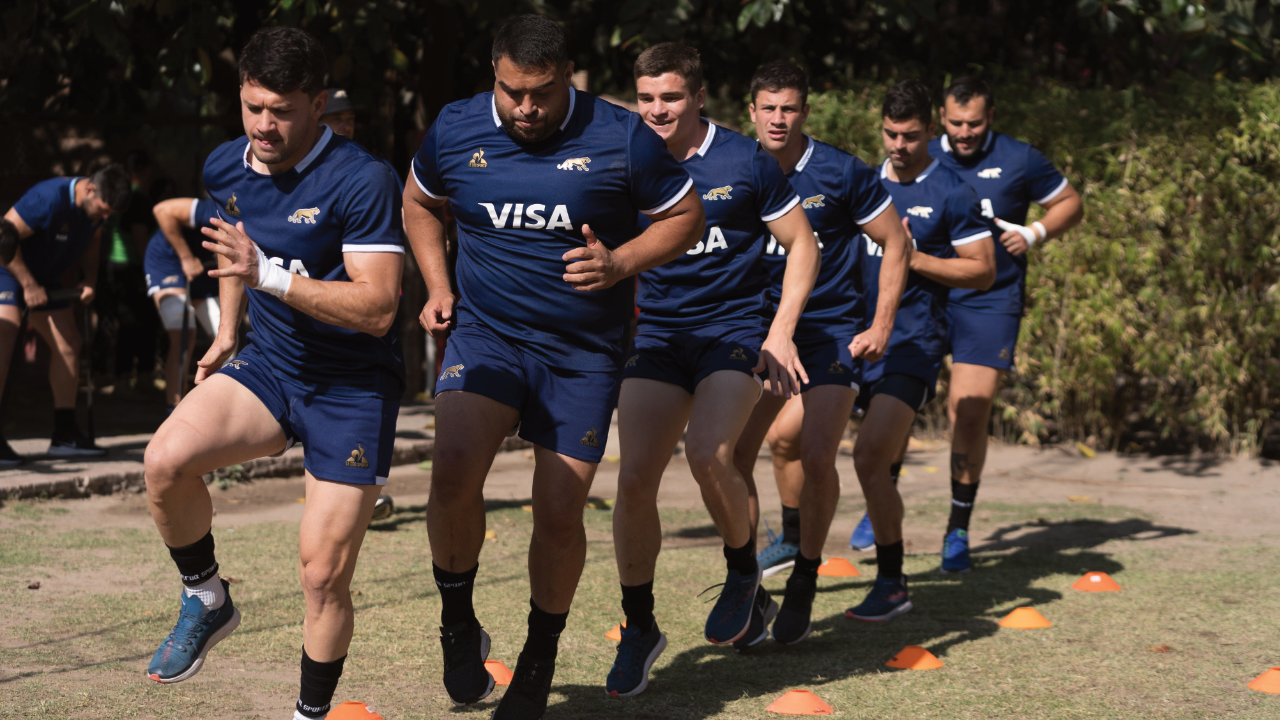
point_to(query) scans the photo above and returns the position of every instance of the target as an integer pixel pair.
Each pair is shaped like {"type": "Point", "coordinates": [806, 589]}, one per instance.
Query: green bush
{"type": "Point", "coordinates": [1153, 325]}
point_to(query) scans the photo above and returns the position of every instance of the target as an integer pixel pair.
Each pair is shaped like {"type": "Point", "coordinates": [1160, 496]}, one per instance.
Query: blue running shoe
{"type": "Point", "coordinates": [731, 616]}
{"type": "Point", "coordinates": [887, 600]}
{"type": "Point", "coordinates": [637, 652]}
{"type": "Point", "coordinates": [863, 537]}
{"type": "Point", "coordinates": [955, 552]}
{"type": "Point", "coordinates": [763, 611]}
{"type": "Point", "coordinates": [182, 654]}
{"type": "Point", "coordinates": [777, 555]}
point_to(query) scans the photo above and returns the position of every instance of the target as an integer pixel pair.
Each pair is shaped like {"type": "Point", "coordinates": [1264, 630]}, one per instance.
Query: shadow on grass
{"type": "Point", "coordinates": [950, 611]}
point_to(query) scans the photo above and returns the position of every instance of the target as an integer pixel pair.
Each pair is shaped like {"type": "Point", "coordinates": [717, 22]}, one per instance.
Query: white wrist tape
{"type": "Point", "coordinates": [1027, 233]}
{"type": "Point", "coordinates": [1040, 230]}
{"type": "Point", "coordinates": [271, 277]}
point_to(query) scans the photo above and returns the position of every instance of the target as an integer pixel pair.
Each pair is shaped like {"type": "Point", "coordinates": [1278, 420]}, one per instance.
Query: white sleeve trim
{"type": "Point", "coordinates": [875, 213]}
{"type": "Point", "coordinates": [770, 218]}
{"type": "Point", "coordinates": [1056, 192]}
{"type": "Point", "coordinates": [191, 216]}
{"type": "Point", "coordinates": [674, 199]}
{"type": "Point", "coordinates": [414, 172]}
{"type": "Point", "coordinates": [971, 239]}
{"type": "Point", "coordinates": [374, 248]}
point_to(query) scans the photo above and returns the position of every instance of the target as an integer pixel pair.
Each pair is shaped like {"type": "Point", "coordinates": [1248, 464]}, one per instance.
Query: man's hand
{"type": "Point", "coordinates": [785, 370]}
{"type": "Point", "coordinates": [870, 345]}
{"type": "Point", "coordinates": [219, 353]}
{"type": "Point", "coordinates": [34, 295]}
{"type": "Point", "coordinates": [86, 293]}
{"type": "Point", "coordinates": [595, 269]}
{"type": "Point", "coordinates": [437, 315]}
{"type": "Point", "coordinates": [232, 243]}
{"type": "Point", "coordinates": [1017, 239]}
{"type": "Point", "coordinates": [192, 267]}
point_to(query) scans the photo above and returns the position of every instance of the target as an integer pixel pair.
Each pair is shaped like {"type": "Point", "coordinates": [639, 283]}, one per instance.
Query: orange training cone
{"type": "Point", "coordinates": [1025, 618]}
{"type": "Point", "coordinates": [838, 567]}
{"type": "Point", "coordinates": [914, 657]}
{"type": "Point", "coordinates": [352, 710]}
{"type": "Point", "coordinates": [1096, 582]}
{"type": "Point", "coordinates": [1267, 682]}
{"type": "Point", "coordinates": [799, 702]}
{"type": "Point", "coordinates": [616, 633]}
{"type": "Point", "coordinates": [501, 673]}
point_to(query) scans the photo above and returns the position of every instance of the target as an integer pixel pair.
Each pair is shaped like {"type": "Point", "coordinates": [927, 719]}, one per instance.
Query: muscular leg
{"type": "Point", "coordinates": [10, 322]}
{"type": "Point", "coordinates": [558, 549]}
{"type": "Point", "coordinates": [58, 328]}
{"type": "Point", "coordinates": [722, 403]}
{"type": "Point", "coordinates": [747, 451]}
{"type": "Point", "coordinates": [972, 391]}
{"type": "Point", "coordinates": [172, 365]}
{"type": "Point", "coordinates": [826, 413]}
{"type": "Point", "coordinates": [784, 450]}
{"type": "Point", "coordinates": [882, 437]}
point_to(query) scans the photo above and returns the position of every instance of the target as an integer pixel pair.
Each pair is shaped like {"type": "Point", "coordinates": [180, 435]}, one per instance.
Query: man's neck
{"type": "Point", "coordinates": [789, 156]}
{"type": "Point", "coordinates": [684, 148]}
{"type": "Point", "coordinates": [908, 174]}
{"type": "Point", "coordinates": [305, 149]}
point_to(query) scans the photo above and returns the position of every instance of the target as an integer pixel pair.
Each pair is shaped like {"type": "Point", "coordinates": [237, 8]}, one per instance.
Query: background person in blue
{"type": "Point", "coordinates": [704, 333]}
{"type": "Point", "coordinates": [59, 223]}
{"type": "Point", "coordinates": [308, 236]}
{"type": "Point", "coordinates": [843, 198]}
{"type": "Point", "coordinates": [953, 248]}
{"type": "Point", "coordinates": [1008, 175]}
{"type": "Point", "coordinates": [546, 184]}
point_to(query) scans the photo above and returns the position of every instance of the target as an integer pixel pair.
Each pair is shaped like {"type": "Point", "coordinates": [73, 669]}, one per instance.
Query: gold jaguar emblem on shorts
{"type": "Point", "coordinates": [169, 280]}
{"type": "Point", "coordinates": [6, 295]}
{"type": "Point", "coordinates": [631, 361]}
{"type": "Point", "coordinates": [454, 371]}
{"type": "Point", "coordinates": [304, 215]}
{"type": "Point", "coordinates": [357, 458]}
{"type": "Point", "coordinates": [237, 364]}
{"type": "Point", "coordinates": [738, 354]}
{"type": "Point", "coordinates": [591, 439]}
{"type": "Point", "coordinates": [720, 193]}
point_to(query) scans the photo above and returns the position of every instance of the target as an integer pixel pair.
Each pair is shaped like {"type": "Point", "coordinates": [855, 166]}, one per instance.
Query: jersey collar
{"type": "Point", "coordinates": [884, 171]}
{"type": "Point", "coordinates": [706, 141]}
{"type": "Point", "coordinates": [573, 96]}
{"type": "Point", "coordinates": [306, 161]}
{"type": "Point", "coordinates": [72, 189]}
{"type": "Point", "coordinates": [986, 145]}
{"type": "Point", "coordinates": [808, 153]}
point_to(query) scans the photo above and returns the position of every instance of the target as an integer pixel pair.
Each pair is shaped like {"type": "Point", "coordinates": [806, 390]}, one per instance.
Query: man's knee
{"type": "Point", "coordinates": [165, 465]}
{"type": "Point", "coordinates": [321, 581]}
{"type": "Point", "coordinates": [817, 463]}
{"type": "Point", "coordinates": [867, 459]}
{"type": "Point", "coordinates": [708, 461]}
{"type": "Point", "coordinates": [783, 447]}
{"type": "Point", "coordinates": [558, 522]}
{"type": "Point", "coordinates": [450, 477]}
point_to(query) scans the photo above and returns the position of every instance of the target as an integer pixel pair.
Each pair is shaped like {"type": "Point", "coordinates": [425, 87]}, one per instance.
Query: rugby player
{"type": "Point", "coordinates": [842, 197]}
{"type": "Point", "coordinates": [308, 235]}
{"type": "Point", "coordinates": [59, 225]}
{"type": "Point", "coordinates": [546, 184]}
{"type": "Point", "coordinates": [704, 333]}
{"type": "Point", "coordinates": [953, 248]}
{"type": "Point", "coordinates": [1008, 175]}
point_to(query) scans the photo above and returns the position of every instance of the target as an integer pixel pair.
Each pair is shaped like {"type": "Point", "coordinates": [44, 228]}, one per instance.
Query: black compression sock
{"type": "Point", "coordinates": [455, 594]}
{"type": "Point", "coordinates": [894, 471]}
{"type": "Point", "coordinates": [742, 559]}
{"type": "Point", "coordinates": [195, 561]}
{"type": "Point", "coordinates": [637, 605]}
{"type": "Point", "coordinates": [319, 681]}
{"type": "Point", "coordinates": [64, 423]}
{"type": "Point", "coordinates": [791, 525]}
{"type": "Point", "coordinates": [805, 566]}
{"type": "Point", "coordinates": [962, 498]}
{"type": "Point", "coordinates": [889, 560]}
{"type": "Point", "coordinates": [544, 632]}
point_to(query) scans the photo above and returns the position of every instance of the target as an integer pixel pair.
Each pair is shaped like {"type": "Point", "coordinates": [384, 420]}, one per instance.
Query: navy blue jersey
{"type": "Point", "coordinates": [338, 199]}
{"type": "Point", "coordinates": [60, 229]}
{"type": "Point", "coordinates": [520, 208]}
{"type": "Point", "coordinates": [722, 279]}
{"type": "Point", "coordinates": [1008, 176]}
{"type": "Point", "coordinates": [839, 194]}
{"type": "Point", "coordinates": [942, 212]}
{"type": "Point", "coordinates": [202, 211]}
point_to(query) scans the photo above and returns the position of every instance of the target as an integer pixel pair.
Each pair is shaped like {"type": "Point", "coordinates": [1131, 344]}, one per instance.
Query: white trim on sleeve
{"type": "Point", "coordinates": [346, 248]}
{"type": "Point", "coordinates": [688, 185]}
{"type": "Point", "coordinates": [414, 172]}
{"type": "Point", "coordinates": [875, 213]}
{"type": "Point", "coordinates": [1056, 192]}
{"type": "Point", "coordinates": [191, 215]}
{"type": "Point", "coordinates": [774, 216]}
{"type": "Point", "coordinates": [971, 239]}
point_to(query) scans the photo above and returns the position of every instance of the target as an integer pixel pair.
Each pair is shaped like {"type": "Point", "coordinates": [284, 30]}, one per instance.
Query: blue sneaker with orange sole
{"type": "Point", "coordinates": [182, 654]}
{"type": "Point", "coordinates": [887, 600]}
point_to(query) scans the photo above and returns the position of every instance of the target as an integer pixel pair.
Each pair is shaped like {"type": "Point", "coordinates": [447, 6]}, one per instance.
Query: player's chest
{"type": "Point", "coordinates": [926, 215]}
{"type": "Point", "coordinates": [1000, 187]}
{"type": "Point", "coordinates": [297, 225]}
{"type": "Point", "coordinates": [69, 228]}
{"type": "Point", "coordinates": [727, 196]}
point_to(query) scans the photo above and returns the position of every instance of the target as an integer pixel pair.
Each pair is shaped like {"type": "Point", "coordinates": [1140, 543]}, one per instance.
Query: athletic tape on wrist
{"type": "Point", "coordinates": [271, 277]}
{"type": "Point", "coordinates": [1040, 230]}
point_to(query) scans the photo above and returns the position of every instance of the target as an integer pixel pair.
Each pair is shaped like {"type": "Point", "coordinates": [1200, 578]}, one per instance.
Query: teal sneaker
{"type": "Point", "coordinates": [777, 555]}
{"type": "Point", "coordinates": [182, 654]}
{"type": "Point", "coordinates": [955, 552]}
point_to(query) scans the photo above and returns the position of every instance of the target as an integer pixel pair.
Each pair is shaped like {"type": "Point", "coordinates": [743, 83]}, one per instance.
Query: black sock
{"type": "Point", "coordinates": [637, 604]}
{"type": "Point", "coordinates": [544, 632]}
{"type": "Point", "coordinates": [894, 471]}
{"type": "Point", "coordinates": [889, 560]}
{"type": "Point", "coordinates": [64, 423]}
{"type": "Point", "coordinates": [962, 497]}
{"type": "Point", "coordinates": [319, 680]}
{"type": "Point", "coordinates": [195, 561]}
{"type": "Point", "coordinates": [791, 525]}
{"type": "Point", "coordinates": [805, 566]}
{"type": "Point", "coordinates": [742, 559]}
{"type": "Point", "coordinates": [455, 594]}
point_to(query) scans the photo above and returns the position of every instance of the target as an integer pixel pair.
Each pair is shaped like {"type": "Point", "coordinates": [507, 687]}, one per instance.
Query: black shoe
{"type": "Point", "coordinates": [794, 620]}
{"type": "Point", "coordinates": [763, 610]}
{"type": "Point", "coordinates": [466, 647]}
{"type": "Point", "coordinates": [74, 446]}
{"type": "Point", "coordinates": [9, 458]}
{"type": "Point", "coordinates": [526, 698]}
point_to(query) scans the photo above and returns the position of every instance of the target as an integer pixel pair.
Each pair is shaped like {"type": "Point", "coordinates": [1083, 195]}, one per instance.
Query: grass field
{"type": "Point", "coordinates": [78, 646]}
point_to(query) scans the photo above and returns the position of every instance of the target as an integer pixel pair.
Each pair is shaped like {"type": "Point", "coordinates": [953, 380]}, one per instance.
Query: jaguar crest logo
{"type": "Point", "coordinates": [738, 354]}
{"type": "Point", "coordinates": [720, 193]}
{"type": "Point", "coordinates": [814, 202]}
{"type": "Point", "coordinates": [920, 211]}
{"type": "Point", "coordinates": [836, 368]}
{"type": "Point", "coordinates": [7, 295]}
{"type": "Point", "coordinates": [237, 364]}
{"type": "Point", "coordinates": [990, 174]}
{"type": "Point", "coordinates": [575, 164]}
{"type": "Point", "coordinates": [169, 280]}
{"type": "Point", "coordinates": [477, 159]}
{"type": "Point", "coordinates": [631, 361]}
{"type": "Point", "coordinates": [453, 371]}
{"type": "Point", "coordinates": [304, 215]}
{"type": "Point", "coordinates": [357, 458]}
{"type": "Point", "coordinates": [231, 206]}
{"type": "Point", "coordinates": [591, 439]}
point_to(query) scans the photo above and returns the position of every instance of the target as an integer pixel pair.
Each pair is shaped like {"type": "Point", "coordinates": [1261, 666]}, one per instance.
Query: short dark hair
{"type": "Point", "coordinates": [8, 241]}
{"type": "Point", "coordinates": [531, 41]}
{"type": "Point", "coordinates": [907, 100]}
{"type": "Point", "coordinates": [114, 186]}
{"type": "Point", "coordinates": [284, 60]}
{"type": "Point", "coordinates": [964, 89]}
{"type": "Point", "coordinates": [780, 75]}
{"type": "Point", "coordinates": [671, 57]}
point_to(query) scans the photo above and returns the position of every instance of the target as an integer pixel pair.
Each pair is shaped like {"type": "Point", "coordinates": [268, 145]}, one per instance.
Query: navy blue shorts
{"type": "Point", "coordinates": [686, 357]}
{"type": "Point", "coordinates": [911, 390]}
{"type": "Point", "coordinates": [567, 411]}
{"type": "Point", "coordinates": [164, 270]}
{"type": "Point", "coordinates": [353, 436]}
{"type": "Point", "coordinates": [979, 338]}
{"type": "Point", "coordinates": [923, 368]}
{"type": "Point", "coordinates": [828, 361]}
{"type": "Point", "coordinates": [11, 293]}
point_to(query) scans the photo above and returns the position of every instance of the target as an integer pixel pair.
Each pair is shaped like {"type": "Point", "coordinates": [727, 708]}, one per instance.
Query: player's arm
{"type": "Point", "coordinates": [33, 294]}
{"type": "Point", "coordinates": [89, 266]}
{"type": "Point", "coordinates": [974, 268]}
{"type": "Point", "coordinates": [424, 227]}
{"type": "Point", "coordinates": [795, 235]}
{"type": "Point", "coordinates": [887, 231]}
{"type": "Point", "coordinates": [673, 232]}
{"type": "Point", "coordinates": [234, 301]}
{"type": "Point", "coordinates": [172, 216]}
